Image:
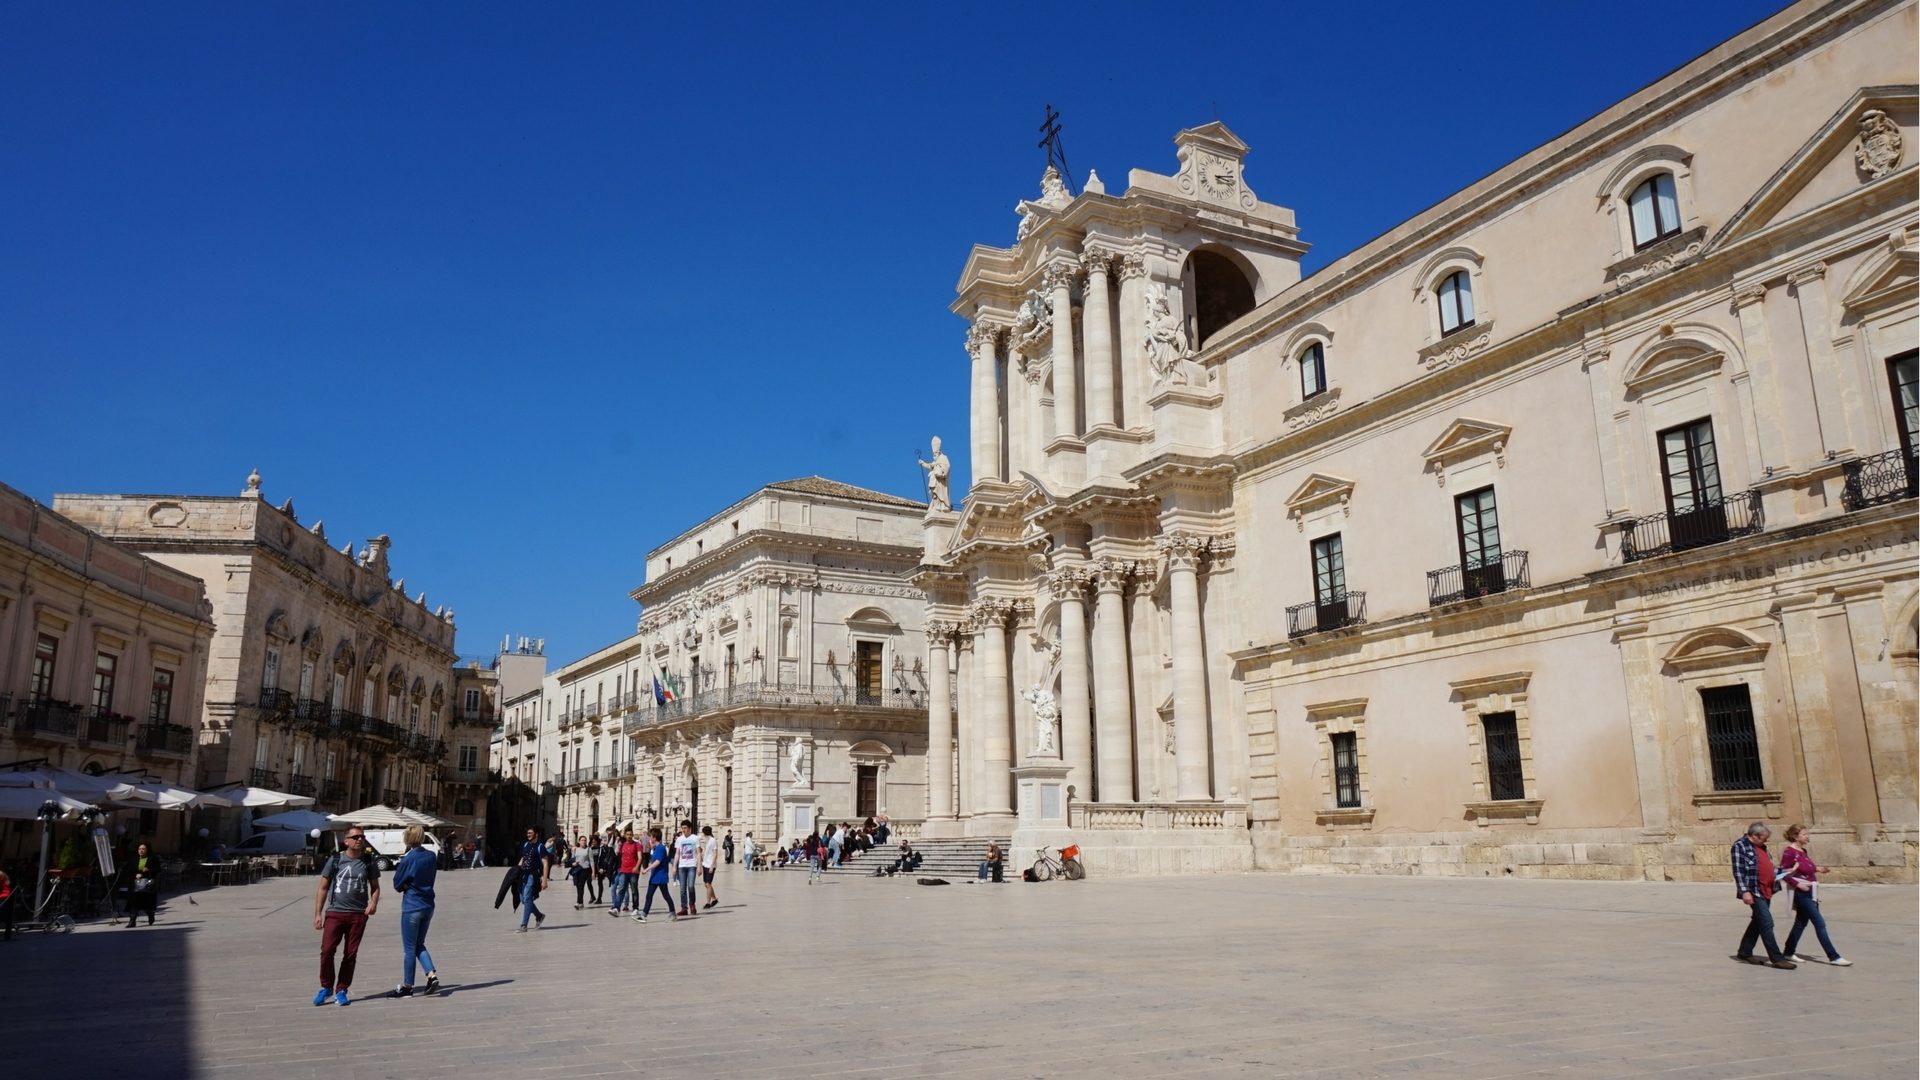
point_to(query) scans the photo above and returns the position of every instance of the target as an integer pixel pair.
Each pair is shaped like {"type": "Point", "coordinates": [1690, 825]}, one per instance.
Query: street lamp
{"type": "Point", "coordinates": [48, 813]}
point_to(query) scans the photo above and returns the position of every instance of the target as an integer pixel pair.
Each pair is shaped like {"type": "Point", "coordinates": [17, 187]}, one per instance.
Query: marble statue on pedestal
{"type": "Point", "coordinates": [938, 469]}
{"type": "Point", "coordinates": [1045, 712]}
{"type": "Point", "coordinates": [797, 762]}
{"type": "Point", "coordinates": [1167, 347]}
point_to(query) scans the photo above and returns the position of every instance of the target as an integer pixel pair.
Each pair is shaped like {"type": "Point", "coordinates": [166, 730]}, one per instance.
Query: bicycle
{"type": "Point", "coordinates": [1046, 867]}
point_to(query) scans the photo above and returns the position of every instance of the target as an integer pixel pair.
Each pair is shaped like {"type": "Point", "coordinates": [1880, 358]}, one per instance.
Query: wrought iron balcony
{"type": "Point", "coordinates": [276, 704]}
{"type": "Point", "coordinates": [47, 719]}
{"type": "Point", "coordinates": [309, 710]}
{"type": "Point", "coordinates": [1451, 584]}
{"type": "Point", "coordinates": [468, 776]}
{"type": "Point", "coordinates": [164, 739]}
{"type": "Point", "coordinates": [481, 717]}
{"type": "Point", "coordinates": [265, 778]}
{"type": "Point", "coordinates": [332, 792]}
{"type": "Point", "coordinates": [105, 728]}
{"type": "Point", "coordinates": [834, 687]}
{"type": "Point", "coordinates": [1347, 608]}
{"type": "Point", "coordinates": [1705, 524]}
{"type": "Point", "coordinates": [300, 785]}
{"type": "Point", "coordinates": [1882, 478]}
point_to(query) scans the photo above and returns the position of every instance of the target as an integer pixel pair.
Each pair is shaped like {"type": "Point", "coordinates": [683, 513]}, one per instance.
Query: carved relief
{"type": "Point", "coordinates": [1880, 146]}
{"type": "Point", "coordinates": [1132, 266]}
{"type": "Point", "coordinates": [1438, 356]}
{"type": "Point", "coordinates": [167, 515]}
{"type": "Point", "coordinates": [1318, 407]}
{"type": "Point", "coordinates": [1167, 345]}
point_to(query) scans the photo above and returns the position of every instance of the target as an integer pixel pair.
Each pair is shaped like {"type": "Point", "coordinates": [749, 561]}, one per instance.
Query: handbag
{"type": "Point", "coordinates": [143, 885]}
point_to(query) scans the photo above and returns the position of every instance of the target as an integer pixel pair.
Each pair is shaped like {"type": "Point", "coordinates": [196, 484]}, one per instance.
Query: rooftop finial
{"type": "Point", "coordinates": [253, 484]}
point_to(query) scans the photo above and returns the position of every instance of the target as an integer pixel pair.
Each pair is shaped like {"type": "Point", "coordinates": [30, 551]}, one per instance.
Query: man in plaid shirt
{"type": "Point", "coordinates": [1753, 879]}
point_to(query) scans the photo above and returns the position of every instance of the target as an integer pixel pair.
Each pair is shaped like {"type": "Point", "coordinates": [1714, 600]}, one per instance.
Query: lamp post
{"type": "Point", "coordinates": [48, 814]}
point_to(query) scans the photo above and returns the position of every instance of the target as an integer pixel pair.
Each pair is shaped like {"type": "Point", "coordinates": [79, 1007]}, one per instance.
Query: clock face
{"type": "Point", "coordinates": [1216, 174]}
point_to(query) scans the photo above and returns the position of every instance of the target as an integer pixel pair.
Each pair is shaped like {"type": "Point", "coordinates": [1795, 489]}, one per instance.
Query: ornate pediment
{"type": "Point", "coordinates": [1211, 166]}
{"type": "Point", "coordinates": [1318, 492]}
{"type": "Point", "coordinates": [1716, 647]}
{"type": "Point", "coordinates": [1467, 438]}
{"type": "Point", "coordinates": [1888, 277]}
{"type": "Point", "coordinates": [1860, 144]}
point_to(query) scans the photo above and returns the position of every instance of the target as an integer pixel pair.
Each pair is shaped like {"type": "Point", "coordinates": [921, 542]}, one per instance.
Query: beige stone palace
{"type": "Point", "coordinates": [1558, 531]}
{"type": "Point", "coordinates": [105, 653]}
{"type": "Point", "coordinates": [790, 641]}
{"type": "Point", "coordinates": [323, 677]}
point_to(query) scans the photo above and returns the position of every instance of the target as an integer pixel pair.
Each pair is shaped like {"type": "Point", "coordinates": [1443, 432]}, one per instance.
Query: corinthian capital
{"type": "Point", "coordinates": [939, 633]}
{"type": "Point", "coordinates": [989, 611]}
{"type": "Point", "coordinates": [1133, 265]}
{"type": "Point", "coordinates": [1112, 574]}
{"type": "Point", "coordinates": [1095, 260]}
{"type": "Point", "coordinates": [1069, 582]}
{"type": "Point", "coordinates": [1061, 274]}
{"type": "Point", "coordinates": [982, 334]}
{"type": "Point", "coordinates": [1182, 549]}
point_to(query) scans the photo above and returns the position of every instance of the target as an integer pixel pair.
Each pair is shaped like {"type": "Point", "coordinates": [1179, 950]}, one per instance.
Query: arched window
{"type": "Point", "coordinates": [1218, 290]}
{"type": "Point", "coordinates": [1313, 371]}
{"type": "Point", "coordinates": [1455, 299]}
{"type": "Point", "coordinates": [1654, 209]}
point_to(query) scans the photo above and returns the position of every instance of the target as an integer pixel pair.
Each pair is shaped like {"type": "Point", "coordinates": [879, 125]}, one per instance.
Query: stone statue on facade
{"type": "Point", "coordinates": [1167, 347]}
{"type": "Point", "coordinates": [938, 469]}
{"type": "Point", "coordinates": [1045, 712]}
{"type": "Point", "coordinates": [797, 762]}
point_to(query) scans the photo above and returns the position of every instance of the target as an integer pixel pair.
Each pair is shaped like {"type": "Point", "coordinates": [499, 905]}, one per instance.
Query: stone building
{"type": "Point", "coordinates": [789, 641]}
{"type": "Point", "coordinates": [103, 653]}
{"type": "Point", "coordinates": [1557, 531]}
{"type": "Point", "coordinates": [323, 678]}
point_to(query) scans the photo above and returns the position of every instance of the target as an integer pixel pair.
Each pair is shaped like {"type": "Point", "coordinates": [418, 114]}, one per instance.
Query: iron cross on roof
{"type": "Point", "coordinates": [1056, 153]}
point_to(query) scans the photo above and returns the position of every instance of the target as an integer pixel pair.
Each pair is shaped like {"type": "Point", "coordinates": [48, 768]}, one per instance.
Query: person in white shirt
{"type": "Point", "coordinates": [709, 862]}
{"type": "Point", "coordinates": [746, 851]}
{"type": "Point", "coordinates": [686, 864]}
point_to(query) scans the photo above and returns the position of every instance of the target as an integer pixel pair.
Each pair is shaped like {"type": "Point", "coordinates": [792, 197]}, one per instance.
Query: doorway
{"type": "Point", "coordinates": [867, 685]}
{"type": "Point", "coordinates": [866, 799]}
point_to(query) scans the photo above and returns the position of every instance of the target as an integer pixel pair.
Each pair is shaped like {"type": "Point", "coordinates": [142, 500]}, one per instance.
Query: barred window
{"type": "Point", "coordinates": [1346, 769]}
{"type": "Point", "coordinates": [1732, 745]}
{"type": "Point", "coordinates": [1504, 779]}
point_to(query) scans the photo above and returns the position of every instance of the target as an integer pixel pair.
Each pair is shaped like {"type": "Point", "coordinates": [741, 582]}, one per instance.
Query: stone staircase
{"type": "Point", "coordinates": [956, 859]}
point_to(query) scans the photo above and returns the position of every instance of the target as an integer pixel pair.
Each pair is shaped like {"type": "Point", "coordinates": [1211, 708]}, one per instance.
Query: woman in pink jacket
{"type": "Point", "coordinates": [1799, 874]}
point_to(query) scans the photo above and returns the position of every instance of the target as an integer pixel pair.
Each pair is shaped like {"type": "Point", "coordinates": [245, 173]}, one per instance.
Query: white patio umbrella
{"type": "Point", "coordinates": [297, 820]}
{"type": "Point", "coordinates": [84, 787]}
{"type": "Point", "coordinates": [377, 816]}
{"type": "Point", "coordinates": [244, 795]}
{"type": "Point", "coordinates": [430, 821]}
{"type": "Point", "coordinates": [23, 803]}
{"type": "Point", "coordinates": [165, 796]}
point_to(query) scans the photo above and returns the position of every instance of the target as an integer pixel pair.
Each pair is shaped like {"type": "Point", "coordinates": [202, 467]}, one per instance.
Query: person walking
{"type": "Point", "coordinates": [686, 865]}
{"type": "Point", "coordinates": [1803, 878]}
{"type": "Point", "coordinates": [476, 850]}
{"type": "Point", "coordinates": [656, 877]}
{"type": "Point", "coordinates": [144, 892]}
{"type": "Point", "coordinates": [581, 871]}
{"type": "Point", "coordinates": [709, 862]}
{"type": "Point", "coordinates": [606, 863]}
{"type": "Point", "coordinates": [746, 851]}
{"type": "Point", "coordinates": [348, 895]}
{"type": "Point", "coordinates": [536, 873]}
{"type": "Point", "coordinates": [6, 903]}
{"type": "Point", "coordinates": [726, 845]}
{"type": "Point", "coordinates": [413, 880]}
{"type": "Point", "coordinates": [816, 851]}
{"type": "Point", "coordinates": [626, 878]}
{"type": "Point", "coordinates": [1753, 881]}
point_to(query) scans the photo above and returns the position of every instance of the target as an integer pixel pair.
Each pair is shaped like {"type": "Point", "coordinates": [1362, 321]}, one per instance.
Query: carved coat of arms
{"type": "Point", "coordinates": [1880, 144]}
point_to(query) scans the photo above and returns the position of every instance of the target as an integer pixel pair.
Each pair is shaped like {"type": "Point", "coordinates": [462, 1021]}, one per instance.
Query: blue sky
{"type": "Point", "coordinates": [532, 289]}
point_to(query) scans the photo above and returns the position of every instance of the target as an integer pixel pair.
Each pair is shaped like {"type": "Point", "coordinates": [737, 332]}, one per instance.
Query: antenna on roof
{"type": "Point", "coordinates": [1056, 153]}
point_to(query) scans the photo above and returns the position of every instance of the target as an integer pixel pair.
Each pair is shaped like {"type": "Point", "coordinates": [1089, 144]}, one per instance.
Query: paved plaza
{"type": "Point", "coordinates": [1257, 975]}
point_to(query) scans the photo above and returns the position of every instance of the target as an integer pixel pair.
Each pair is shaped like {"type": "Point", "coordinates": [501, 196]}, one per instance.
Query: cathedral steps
{"type": "Point", "coordinates": [956, 859]}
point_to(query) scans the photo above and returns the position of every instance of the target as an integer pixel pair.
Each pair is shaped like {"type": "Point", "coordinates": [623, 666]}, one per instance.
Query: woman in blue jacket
{"type": "Point", "coordinates": [413, 879]}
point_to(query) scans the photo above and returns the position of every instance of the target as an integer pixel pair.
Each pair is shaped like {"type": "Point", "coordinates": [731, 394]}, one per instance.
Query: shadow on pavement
{"type": "Point", "coordinates": [460, 988]}
{"type": "Point", "coordinates": [98, 1002]}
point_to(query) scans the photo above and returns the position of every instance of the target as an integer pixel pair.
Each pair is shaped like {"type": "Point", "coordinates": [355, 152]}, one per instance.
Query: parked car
{"type": "Point", "coordinates": [387, 845]}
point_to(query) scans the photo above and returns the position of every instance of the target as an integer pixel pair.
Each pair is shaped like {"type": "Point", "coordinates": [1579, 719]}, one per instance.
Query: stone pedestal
{"type": "Point", "coordinates": [1067, 462]}
{"type": "Point", "coordinates": [936, 528]}
{"type": "Point", "coordinates": [1186, 419]}
{"type": "Point", "coordinates": [1041, 787]}
{"type": "Point", "coordinates": [799, 809]}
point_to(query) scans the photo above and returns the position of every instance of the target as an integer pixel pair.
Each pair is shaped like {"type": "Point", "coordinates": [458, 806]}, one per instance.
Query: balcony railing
{"type": "Point", "coordinates": [1882, 478]}
{"type": "Point", "coordinates": [164, 739]}
{"type": "Point", "coordinates": [468, 776]}
{"type": "Point", "coordinates": [1450, 584]}
{"type": "Point", "coordinates": [1347, 608]}
{"type": "Point", "coordinates": [836, 690]}
{"type": "Point", "coordinates": [481, 717]}
{"type": "Point", "coordinates": [299, 785]}
{"type": "Point", "coordinates": [332, 792]}
{"type": "Point", "coordinates": [47, 719]}
{"type": "Point", "coordinates": [276, 703]}
{"type": "Point", "coordinates": [1706, 523]}
{"type": "Point", "coordinates": [529, 725]}
{"type": "Point", "coordinates": [265, 778]}
{"type": "Point", "coordinates": [105, 728]}
{"type": "Point", "coordinates": [309, 710]}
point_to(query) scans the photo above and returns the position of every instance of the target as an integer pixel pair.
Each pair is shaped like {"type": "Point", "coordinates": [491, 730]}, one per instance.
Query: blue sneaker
{"type": "Point", "coordinates": [340, 998]}
{"type": "Point", "coordinates": [321, 997]}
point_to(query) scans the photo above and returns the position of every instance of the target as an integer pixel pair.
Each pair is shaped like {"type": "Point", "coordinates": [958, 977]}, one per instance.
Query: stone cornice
{"type": "Point", "coordinates": [669, 586]}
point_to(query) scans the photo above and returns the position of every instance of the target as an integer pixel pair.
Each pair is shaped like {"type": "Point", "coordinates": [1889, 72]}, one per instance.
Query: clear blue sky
{"type": "Point", "coordinates": [532, 288]}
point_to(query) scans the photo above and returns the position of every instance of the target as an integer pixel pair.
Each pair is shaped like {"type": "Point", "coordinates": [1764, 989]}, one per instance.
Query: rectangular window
{"type": "Point", "coordinates": [306, 680]}
{"type": "Point", "coordinates": [393, 708]}
{"type": "Point", "coordinates": [1313, 371]}
{"type": "Point", "coordinates": [413, 718]}
{"type": "Point", "coordinates": [46, 653]}
{"type": "Point", "coordinates": [1329, 570]}
{"type": "Point", "coordinates": [1455, 297]}
{"type": "Point", "coordinates": [160, 701]}
{"type": "Point", "coordinates": [270, 670]}
{"type": "Point", "coordinates": [104, 665]}
{"type": "Point", "coordinates": [299, 759]}
{"type": "Point", "coordinates": [260, 751]}
{"type": "Point", "coordinates": [1477, 527]}
{"type": "Point", "coordinates": [473, 701]}
{"type": "Point", "coordinates": [1504, 780]}
{"type": "Point", "coordinates": [1690, 468]}
{"type": "Point", "coordinates": [1732, 745]}
{"type": "Point", "coordinates": [1346, 769]}
{"type": "Point", "coordinates": [1654, 209]}
{"type": "Point", "coordinates": [469, 758]}
{"type": "Point", "coordinates": [867, 676]}
{"type": "Point", "coordinates": [1905, 382]}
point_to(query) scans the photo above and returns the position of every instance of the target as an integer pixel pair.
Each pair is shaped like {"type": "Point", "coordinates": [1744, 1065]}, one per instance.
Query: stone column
{"type": "Point", "coordinates": [1809, 288]}
{"type": "Point", "coordinates": [981, 342]}
{"type": "Point", "coordinates": [1066, 371]}
{"type": "Point", "coordinates": [1190, 741]}
{"type": "Point", "coordinates": [1112, 707]}
{"type": "Point", "coordinates": [1018, 456]}
{"type": "Point", "coordinates": [1133, 374]}
{"type": "Point", "coordinates": [1036, 434]}
{"type": "Point", "coordinates": [1097, 318]}
{"type": "Point", "coordinates": [995, 720]}
{"type": "Point", "coordinates": [967, 771]}
{"type": "Point", "coordinates": [1076, 726]}
{"type": "Point", "coordinates": [939, 724]}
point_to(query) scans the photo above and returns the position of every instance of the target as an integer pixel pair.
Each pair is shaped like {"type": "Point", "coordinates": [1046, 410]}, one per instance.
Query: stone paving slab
{"type": "Point", "coordinates": [1215, 977]}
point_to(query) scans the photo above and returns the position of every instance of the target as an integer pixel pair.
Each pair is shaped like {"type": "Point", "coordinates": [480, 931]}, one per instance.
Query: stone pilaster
{"type": "Point", "coordinates": [1069, 585]}
{"type": "Point", "coordinates": [982, 345]}
{"type": "Point", "coordinates": [1190, 740]}
{"type": "Point", "coordinates": [1066, 370]}
{"type": "Point", "coordinates": [995, 720]}
{"type": "Point", "coordinates": [1112, 704]}
{"type": "Point", "coordinates": [1097, 319]}
{"type": "Point", "coordinates": [939, 722]}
